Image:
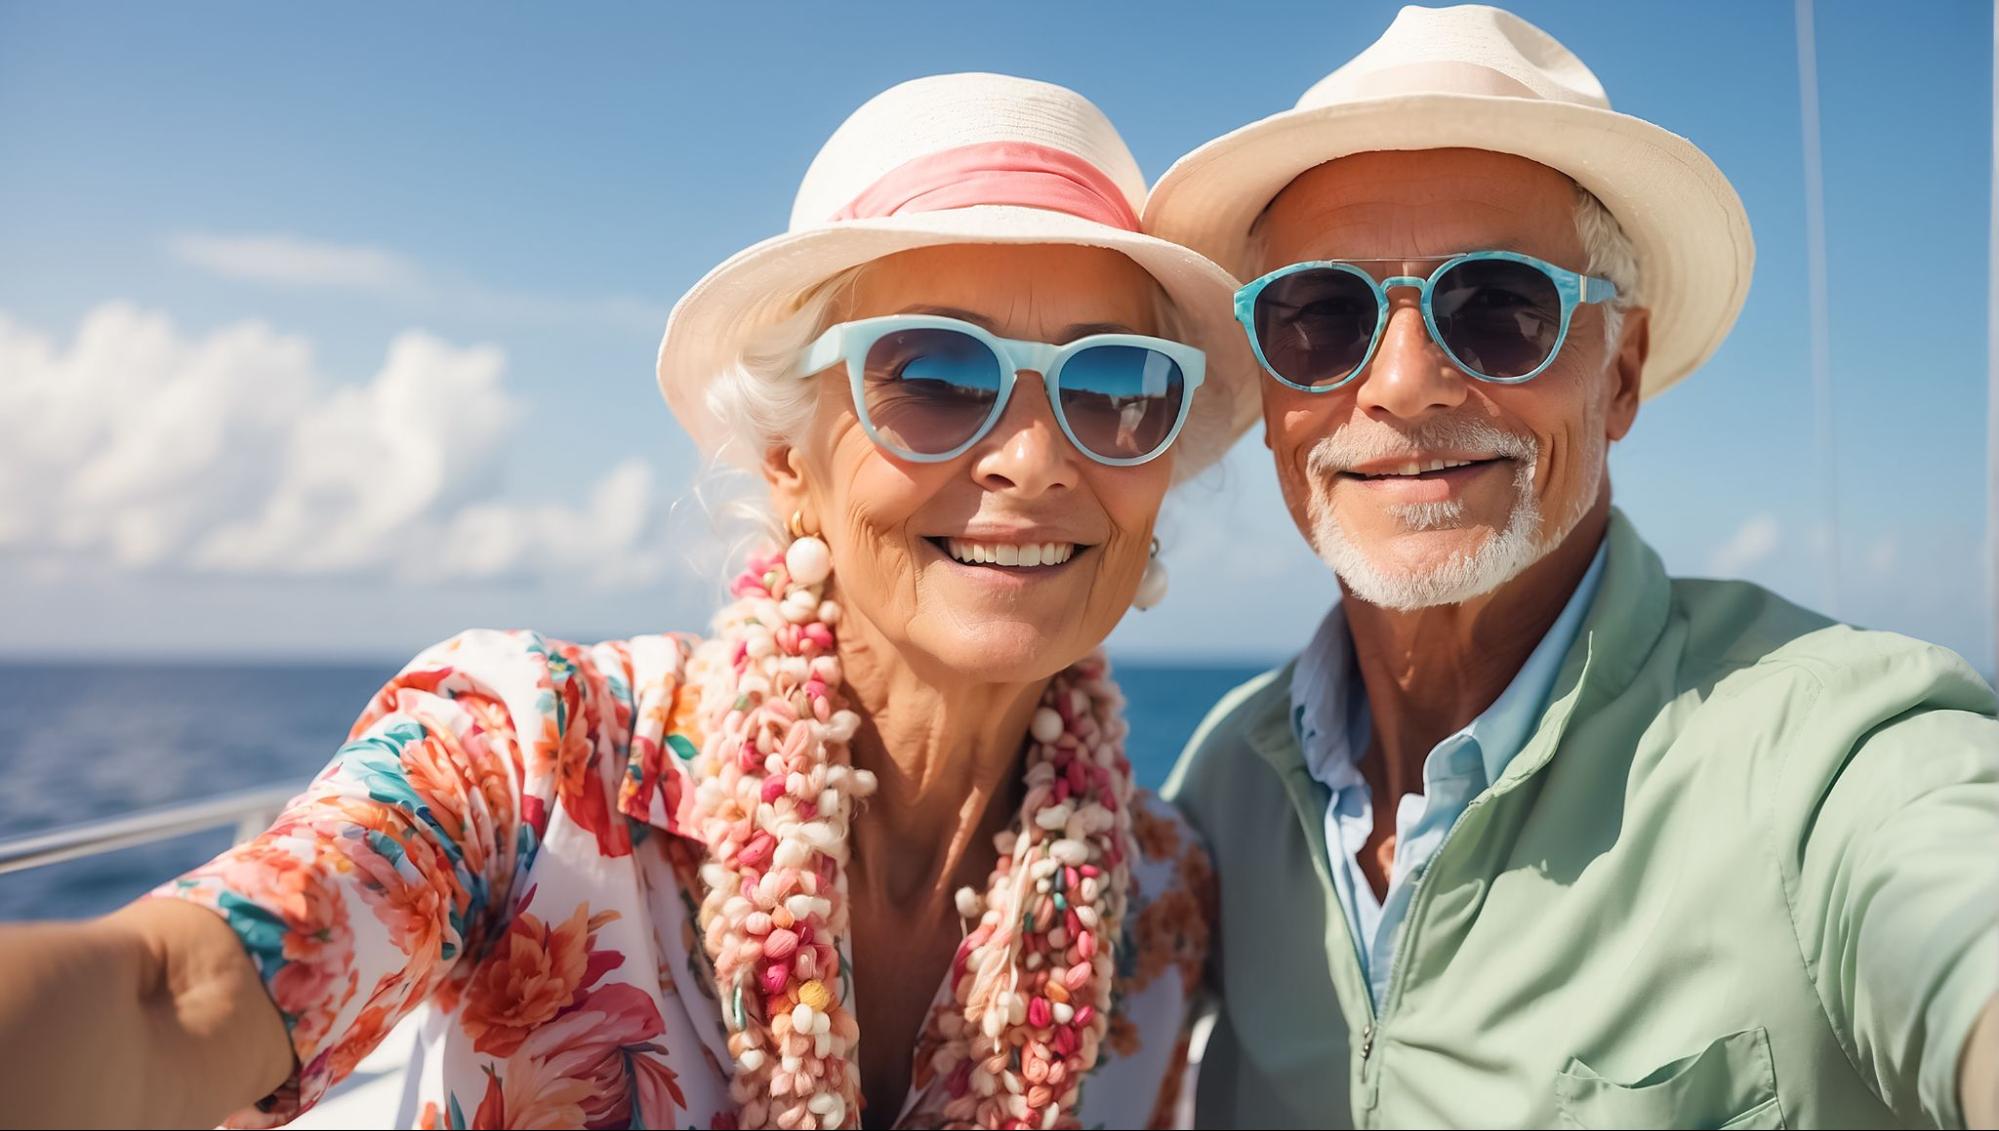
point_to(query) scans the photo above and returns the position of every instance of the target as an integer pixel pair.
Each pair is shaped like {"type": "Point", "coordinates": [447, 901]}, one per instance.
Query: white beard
{"type": "Point", "coordinates": [1463, 576]}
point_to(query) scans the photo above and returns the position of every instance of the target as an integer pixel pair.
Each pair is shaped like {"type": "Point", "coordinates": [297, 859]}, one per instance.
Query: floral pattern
{"type": "Point", "coordinates": [484, 847]}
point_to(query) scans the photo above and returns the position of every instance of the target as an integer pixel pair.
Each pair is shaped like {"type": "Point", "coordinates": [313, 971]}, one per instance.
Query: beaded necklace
{"type": "Point", "coordinates": [774, 797]}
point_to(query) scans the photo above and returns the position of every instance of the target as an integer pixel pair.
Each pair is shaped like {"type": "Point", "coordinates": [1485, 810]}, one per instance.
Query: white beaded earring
{"type": "Point", "coordinates": [807, 559]}
{"type": "Point", "coordinates": [1152, 586]}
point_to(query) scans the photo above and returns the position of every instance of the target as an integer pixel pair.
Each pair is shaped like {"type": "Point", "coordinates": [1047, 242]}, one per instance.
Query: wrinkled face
{"type": "Point", "coordinates": [1419, 484]}
{"type": "Point", "coordinates": [912, 542]}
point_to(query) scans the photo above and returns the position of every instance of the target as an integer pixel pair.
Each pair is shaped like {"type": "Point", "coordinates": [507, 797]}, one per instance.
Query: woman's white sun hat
{"type": "Point", "coordinates": [1476, 77]}
{"type": "Point", "coordinates": [952, 159]}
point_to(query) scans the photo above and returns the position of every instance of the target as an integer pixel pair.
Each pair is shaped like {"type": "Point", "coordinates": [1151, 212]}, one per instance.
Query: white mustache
{"type": "Point", "coordinates": [1354, 444]}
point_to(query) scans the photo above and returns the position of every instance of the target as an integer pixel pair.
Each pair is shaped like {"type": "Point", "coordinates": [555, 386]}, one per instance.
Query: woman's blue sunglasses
{"type": "Point", "coordinates": [927, 387]}
{"type": "Point", "coordinates": [1499, 315]}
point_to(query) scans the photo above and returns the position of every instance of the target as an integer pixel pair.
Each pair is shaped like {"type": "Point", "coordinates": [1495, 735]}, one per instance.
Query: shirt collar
{"type": "Point", "coordinates": [1329, 712]}
{"type": "Point", "coordinates": [1328, 709]}
{"type": "Point", "coordinates": [1503, 728]}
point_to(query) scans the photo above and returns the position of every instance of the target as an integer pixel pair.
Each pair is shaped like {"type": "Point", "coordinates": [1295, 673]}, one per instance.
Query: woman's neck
{"type": "Point", "coordinates": [946, 755]}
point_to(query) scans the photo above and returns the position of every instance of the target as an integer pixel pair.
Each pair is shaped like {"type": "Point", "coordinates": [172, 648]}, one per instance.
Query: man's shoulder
{"type": "Point", "coordinates": [1225, 746]}
{"type": "Point", "coordinates": [1743, 641]}
{"type": "Point", "coordinates": [1249, 707]}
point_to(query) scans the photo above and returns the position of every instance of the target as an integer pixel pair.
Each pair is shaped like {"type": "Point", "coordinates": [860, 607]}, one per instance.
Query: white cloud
{"type": "Point", "coordinates": [607, 541]}
{"type": "Point", "coordinates": [293, 261]}
{"type": "Point", "coordinates": [143, 449]}
{"type": "Point", "coordinates": [297, 262]}
{"type": "Point", "coordinates": [1755, 540]}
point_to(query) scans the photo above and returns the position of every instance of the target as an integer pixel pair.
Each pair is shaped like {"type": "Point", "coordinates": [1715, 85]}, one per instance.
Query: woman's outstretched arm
{"type": "Point", "coordinates": [150, 1017]}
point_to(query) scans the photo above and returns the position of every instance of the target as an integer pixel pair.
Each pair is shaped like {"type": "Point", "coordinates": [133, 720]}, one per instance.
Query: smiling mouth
{"type": "Point", "coordinates": [1422, 469]}
{"type": "Point", "coordinates": [1007, 555]}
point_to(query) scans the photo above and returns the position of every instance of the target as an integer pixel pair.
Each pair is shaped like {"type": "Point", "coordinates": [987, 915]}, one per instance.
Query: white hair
{"type": "Point", "coordinates": [1608, 254]}
{"type": "Point", "coordinates": [759, 398]}
{"type": "Point", "coordinates": [760, 402]}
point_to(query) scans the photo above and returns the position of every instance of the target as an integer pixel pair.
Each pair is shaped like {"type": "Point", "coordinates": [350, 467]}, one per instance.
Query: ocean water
{"type": "Point", "coordinates": [85, 741]}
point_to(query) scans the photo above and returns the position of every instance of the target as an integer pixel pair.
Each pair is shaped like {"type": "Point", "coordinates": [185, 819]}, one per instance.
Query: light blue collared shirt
{"type": "Point", "coordinates": [1330, 715]}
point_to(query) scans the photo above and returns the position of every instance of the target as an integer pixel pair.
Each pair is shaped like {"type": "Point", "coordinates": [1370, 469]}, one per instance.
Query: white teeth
{"type": "Point", "coordinates": [1009, 553]}
{"type": "Point", "coordinates": [1420, 467]}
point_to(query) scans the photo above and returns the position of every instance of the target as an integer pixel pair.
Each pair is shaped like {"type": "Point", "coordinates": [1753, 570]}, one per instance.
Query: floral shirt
{"type": "Point", "coordinates": [498, 844]}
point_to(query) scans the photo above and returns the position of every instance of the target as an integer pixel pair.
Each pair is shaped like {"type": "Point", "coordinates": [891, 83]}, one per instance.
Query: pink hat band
{"type": "Point", "coordinates": [1016, 173]}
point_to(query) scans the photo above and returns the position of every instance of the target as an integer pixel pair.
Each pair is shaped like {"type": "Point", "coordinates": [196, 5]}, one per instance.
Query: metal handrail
{"type": "Point", "coordinates": [249, 810]}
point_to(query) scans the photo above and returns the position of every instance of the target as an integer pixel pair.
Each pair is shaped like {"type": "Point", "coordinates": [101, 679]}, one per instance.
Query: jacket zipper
{"type": "Point", "coordinates": [1397, 972]}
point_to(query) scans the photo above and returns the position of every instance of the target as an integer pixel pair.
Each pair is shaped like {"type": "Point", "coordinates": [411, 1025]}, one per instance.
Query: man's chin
{"type": "Point", "coordinates": [1413, 551]}
{"type": "Point", "coordinates": [1423, 568]}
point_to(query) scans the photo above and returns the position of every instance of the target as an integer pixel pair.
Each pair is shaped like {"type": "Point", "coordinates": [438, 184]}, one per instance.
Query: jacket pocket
{"type": "Point", "coordinates": [1729, 1084]}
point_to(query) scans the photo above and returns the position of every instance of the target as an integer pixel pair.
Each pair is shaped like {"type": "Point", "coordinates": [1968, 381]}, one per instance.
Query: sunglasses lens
{"type": "Point", "coordinates": [1121, 402]}
{"type": "Point", "coordinates": [1497, 317]}
{"type": "Point", "coordinates": [926, 391]}
{"type": "Point", "coordinates": [1314, 326]}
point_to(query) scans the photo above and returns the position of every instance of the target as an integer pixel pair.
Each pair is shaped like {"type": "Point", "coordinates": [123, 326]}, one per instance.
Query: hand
{"type": "Point", "coordinates": [1978, 1070]}
{"type": "Point", "coordinates": [160, 995]}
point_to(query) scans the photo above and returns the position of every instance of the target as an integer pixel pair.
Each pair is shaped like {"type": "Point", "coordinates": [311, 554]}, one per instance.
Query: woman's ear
{"type": "Point", "coordinates": [782, 471]}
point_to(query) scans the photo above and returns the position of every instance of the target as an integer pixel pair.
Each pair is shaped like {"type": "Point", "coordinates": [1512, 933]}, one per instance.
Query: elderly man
{"type": "Point", "coordinates": [1531, 833]}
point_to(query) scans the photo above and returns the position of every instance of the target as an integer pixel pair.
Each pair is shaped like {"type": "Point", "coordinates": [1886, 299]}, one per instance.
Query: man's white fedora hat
{"type": "Point", "coordinates": [951, 159]}
{"type": "Point", "coordinates": [1476, 77]}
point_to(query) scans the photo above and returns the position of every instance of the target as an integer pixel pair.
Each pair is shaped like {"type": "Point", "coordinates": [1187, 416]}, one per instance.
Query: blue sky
{"type": "Point", "coordinates": [401, 223]}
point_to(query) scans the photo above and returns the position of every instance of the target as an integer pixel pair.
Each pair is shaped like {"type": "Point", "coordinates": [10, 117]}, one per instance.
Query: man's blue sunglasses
{"type": "Point", "coordinates": [1499, 315]}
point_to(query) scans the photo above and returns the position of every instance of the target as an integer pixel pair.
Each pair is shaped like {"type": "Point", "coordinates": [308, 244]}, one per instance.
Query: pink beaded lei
{"type": "Point", "coordinates": [1031, 982]}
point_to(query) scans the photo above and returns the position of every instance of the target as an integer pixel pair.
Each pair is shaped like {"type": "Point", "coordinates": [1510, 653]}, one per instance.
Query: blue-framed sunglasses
{"type": "Point", "coordinates": [927, 387]}
{"type": "Point", "coordinates": [1499, 315]}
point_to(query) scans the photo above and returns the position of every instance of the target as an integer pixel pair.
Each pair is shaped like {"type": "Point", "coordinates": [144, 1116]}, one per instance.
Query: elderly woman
{"type": "Point", "coordinates": [669, 881]}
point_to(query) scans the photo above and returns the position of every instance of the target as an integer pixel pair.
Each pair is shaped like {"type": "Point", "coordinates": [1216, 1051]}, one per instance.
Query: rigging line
{"type": "Point", "coordinates": [1815, 244]}
{"type": "Point", "coordinates": [1992, 365]}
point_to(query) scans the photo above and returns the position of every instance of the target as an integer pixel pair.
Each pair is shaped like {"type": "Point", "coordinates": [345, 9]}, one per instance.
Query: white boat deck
{"type": "Point", "coordinates": [374, 1096]}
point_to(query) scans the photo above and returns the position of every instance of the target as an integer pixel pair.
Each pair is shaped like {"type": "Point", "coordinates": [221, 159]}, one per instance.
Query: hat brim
{"type": "Point", "coordinates": [761, 284]}
{"type": "Point", "coordinates": [1684, 219]}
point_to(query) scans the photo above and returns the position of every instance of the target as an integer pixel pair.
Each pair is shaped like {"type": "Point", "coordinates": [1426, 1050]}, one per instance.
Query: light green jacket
{"type": "Point", "coordinates": [1745, 874]}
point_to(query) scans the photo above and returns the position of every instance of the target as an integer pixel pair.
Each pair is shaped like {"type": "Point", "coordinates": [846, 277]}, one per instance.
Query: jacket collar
{"type": "Point", "coordinates": [1623, 625]}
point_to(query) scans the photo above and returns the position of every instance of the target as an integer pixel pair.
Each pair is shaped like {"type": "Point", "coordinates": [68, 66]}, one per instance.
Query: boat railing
{"type": "Point", "coordinates": [248, 811]}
